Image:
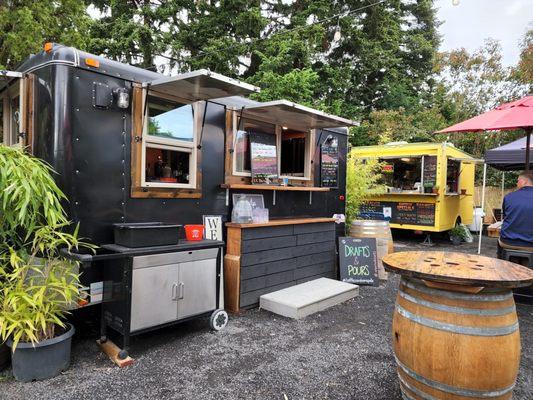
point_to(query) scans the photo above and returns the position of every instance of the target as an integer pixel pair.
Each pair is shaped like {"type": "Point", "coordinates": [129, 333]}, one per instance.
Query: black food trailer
{"type": "Point", "coordinates": [131, 146]}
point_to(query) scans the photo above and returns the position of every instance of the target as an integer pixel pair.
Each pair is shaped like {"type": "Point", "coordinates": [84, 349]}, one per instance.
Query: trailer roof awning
{"type": "Point", "coordinates": [468, 160]}
{"type": "Point", "coordinates": [8, 76]}
{"type": "Point", "coordinates": [200, 85]}
{"type": "Point", "coordinates": [294, 116]}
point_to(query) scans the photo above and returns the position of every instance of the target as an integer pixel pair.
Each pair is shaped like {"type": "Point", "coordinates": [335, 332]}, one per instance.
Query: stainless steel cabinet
{"type": "Point", "coordinates": [197, 288]}
{"type": "Point", "coordinates": [154, 296]}
{"type": "Point", "coordinates": [169, 287]}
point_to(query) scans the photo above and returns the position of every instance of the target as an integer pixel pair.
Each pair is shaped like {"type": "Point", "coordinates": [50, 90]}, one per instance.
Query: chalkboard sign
{"type": "Point", "coordinates": [430, 170]}
{"type": "Point", "coordinates": [329, 165]}
{"type": "Point", "coordinates": [264, 157]}
{"type": "Point", "coordinates": [425, 214]}
{"type": "Point", "coordinates": [411, 213]}
{"type": "Point", "coordinates": [358, 260]}
{"type": "Point", "coordinates": [406, 212]}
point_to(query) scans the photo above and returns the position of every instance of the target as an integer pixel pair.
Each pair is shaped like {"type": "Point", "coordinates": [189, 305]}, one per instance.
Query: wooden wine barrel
{"type": "Point", "coordinates": [455, 329]}
{"type": "Point", "coordinates": [379, 230]}
{"type": "Point", "coordinates": [452, 345]}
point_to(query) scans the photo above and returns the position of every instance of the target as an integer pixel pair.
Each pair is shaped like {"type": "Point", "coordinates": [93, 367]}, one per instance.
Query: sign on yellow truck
{"type": "Point", "coordinates": [430, 186]}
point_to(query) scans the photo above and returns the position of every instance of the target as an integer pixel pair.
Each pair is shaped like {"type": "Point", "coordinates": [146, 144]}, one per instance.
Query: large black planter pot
{"type": "Point", "coordinates": [4, 356]}
{"type": "Point", "coordinates": [43, 360]}
{"type": "Point", "coordinates": [456, 240]}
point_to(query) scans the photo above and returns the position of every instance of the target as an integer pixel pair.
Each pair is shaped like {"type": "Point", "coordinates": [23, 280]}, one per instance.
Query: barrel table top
{"type": "Point", "coordinates": [458, 269]}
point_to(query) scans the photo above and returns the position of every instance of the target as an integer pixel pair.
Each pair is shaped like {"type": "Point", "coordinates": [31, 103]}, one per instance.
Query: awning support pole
{"type": "Point", "coordinates": [310, 197]}
{"type": "Point", "coordinates": [528, 142]}
{"type": "Point", "coordinates": [482, 208]}
{"type": "Point", "coordinates": [227, 197]}
{"type": "Point", "coordinates": [273, 197]}
{"type": "Point", "coordinates": [503, 184]}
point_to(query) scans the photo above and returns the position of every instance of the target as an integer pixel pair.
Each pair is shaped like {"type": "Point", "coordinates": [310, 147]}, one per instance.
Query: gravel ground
{"type": "Point", "coordinates": [341, 353]}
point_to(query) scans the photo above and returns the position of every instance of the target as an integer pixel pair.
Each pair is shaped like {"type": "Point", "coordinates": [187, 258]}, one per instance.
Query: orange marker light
{"type": "Point", "coordinates": [91, 62]}
{"type": "Point", "coordinates": [48, 47]}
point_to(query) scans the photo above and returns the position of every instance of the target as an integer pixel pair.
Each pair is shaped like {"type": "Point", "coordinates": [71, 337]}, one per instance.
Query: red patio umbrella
{"type": "Point", "coordinates": [514, 115]}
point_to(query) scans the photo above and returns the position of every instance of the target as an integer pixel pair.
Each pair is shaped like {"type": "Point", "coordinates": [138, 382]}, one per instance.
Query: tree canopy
{"type": "Point", "coordinates": [27, 24]}
{"type": "Point", "coordinates": [369, 60]}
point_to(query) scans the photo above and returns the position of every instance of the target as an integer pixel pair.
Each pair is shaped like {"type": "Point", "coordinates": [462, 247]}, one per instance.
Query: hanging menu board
{"type": "Point", "coordinates": [358, 260]}
{"type": "Point", "coordinates": [430, 170]}
{"type": "Point", "coordinates": [264, 157]}
{"type": "Point", "coordinates": [400, 212]}
{"type": "Point", "coordinates": [329, 165]}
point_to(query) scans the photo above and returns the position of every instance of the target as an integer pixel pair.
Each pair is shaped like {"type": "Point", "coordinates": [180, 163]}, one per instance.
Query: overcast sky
{"type": "Point", "coordinates": [472, 21]}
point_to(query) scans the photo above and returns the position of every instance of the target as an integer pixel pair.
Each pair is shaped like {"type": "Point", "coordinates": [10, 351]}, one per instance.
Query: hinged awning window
{"type": "Point", "coordinates": [294, 116]}
{"type": "Point", "coordinates": [200, 85]}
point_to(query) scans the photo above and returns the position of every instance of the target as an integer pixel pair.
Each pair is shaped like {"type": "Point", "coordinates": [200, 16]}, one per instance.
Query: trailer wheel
{"type": "Point", "coordinates": [218, 320]}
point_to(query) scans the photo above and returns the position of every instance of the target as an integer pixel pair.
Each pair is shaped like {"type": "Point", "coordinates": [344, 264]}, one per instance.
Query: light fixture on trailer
{"type": "Point", "coordinates": [122, 97]}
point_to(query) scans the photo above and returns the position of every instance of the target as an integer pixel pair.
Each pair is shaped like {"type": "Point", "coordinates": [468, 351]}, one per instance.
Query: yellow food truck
{"type": "Point", "coordinates": [430, 186]}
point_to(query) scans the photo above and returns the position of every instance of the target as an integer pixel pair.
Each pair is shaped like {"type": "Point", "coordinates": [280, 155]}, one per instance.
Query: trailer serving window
{"type": "Point", "coordinates": [295, 158]}
{"type": "Point", "coordinates": [294, 161]}
{"type": "Point", "coordinates": [166, 123]}
{"type": "Point", "coordinates": [241, 148]}
{"type": "Point", "coordinates": [402, 174]}
{"type": "Point", "coordinates": [169, 151]}
{"type": "Point", "coordinates": [453, 173]}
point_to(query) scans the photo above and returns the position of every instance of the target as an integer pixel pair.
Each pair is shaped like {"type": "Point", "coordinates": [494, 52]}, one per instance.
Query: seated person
{"type": "Point", "coordinates": [517, 226]}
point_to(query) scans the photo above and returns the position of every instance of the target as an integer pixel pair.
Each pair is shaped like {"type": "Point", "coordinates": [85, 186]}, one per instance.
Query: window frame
{"type": "Point", "coordinates": [140, 139]}
{"type": "Point", "coordinates": [12, 91]}
{"type": "Point", "coordinates": [459, 173]}
{"type": "Point", "coordinates": [307, 160]}
{"type": "Point", "coordinates": [309, 139]}
{"type": "Point", "coordinates": [171, 144]}
{"type": "Point", "coordinates": [235, 127]}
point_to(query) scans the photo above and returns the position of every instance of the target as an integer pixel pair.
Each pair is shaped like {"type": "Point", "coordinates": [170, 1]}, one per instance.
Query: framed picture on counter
{"type": "Point", "coordinates": [212, 227]}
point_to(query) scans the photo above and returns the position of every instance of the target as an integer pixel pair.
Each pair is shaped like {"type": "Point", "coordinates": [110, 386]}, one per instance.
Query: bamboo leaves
{"type": "Point", "coordinates": [37, 285]}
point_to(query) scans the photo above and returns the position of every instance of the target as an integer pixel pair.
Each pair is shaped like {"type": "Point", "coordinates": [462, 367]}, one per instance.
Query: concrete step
{"type": "Point", "coordinates": [308, 298]}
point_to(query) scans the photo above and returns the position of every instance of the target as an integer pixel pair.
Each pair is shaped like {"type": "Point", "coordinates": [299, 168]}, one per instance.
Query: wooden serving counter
{"type": "Point", "coordinates": [262, 258]}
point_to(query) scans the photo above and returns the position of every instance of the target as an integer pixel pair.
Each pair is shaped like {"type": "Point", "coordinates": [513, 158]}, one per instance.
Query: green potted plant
{"type": "Point", "coordinates": [38, 285]}
{"type": "Point", "coordinates": [363, 180]}
{"type": "Point", "coordinates": [457, 234]}
{"type": "Point", "coordinates": [428, 187]}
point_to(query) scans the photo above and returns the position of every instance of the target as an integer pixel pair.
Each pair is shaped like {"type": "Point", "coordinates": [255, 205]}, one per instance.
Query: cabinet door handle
{"type": "Point", "coordinates": [181, 290]}
{"type": "Point", "coordinates": [174, 291]}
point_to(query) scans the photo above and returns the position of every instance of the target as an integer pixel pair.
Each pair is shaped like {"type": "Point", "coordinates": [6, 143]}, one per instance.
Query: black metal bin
{"type": "Point", "coordinates": [146, 234]}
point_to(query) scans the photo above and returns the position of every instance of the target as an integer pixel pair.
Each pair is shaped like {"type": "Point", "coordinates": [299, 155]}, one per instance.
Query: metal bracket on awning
{"type": "Point", "coordinates": [199, 146]}
{"type": "Point", "coordinates": [227, 197]}
{"type": "Point", "coordinates": [310, 197]}
{"type": "Point", "coordinates": [273, 197]}
{"type": "Point", "coordinates": [145, 109]}
{"type": "Point", "coordinates": [239, 118]}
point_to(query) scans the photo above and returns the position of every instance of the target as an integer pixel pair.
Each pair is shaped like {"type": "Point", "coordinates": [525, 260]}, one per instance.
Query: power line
{"type": "Point", "coordinates": [204, 53]}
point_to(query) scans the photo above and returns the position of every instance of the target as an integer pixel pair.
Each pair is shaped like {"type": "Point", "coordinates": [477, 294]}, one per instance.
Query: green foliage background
{"type": "Point", "coordinates": [385, 70]}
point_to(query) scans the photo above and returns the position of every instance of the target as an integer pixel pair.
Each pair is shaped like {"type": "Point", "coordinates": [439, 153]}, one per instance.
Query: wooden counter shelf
{"type": "Point", "coordinates": [243, 186]}
{"type": "Point", "coordinates": [262, 258]}
{"type": "Point", "coordinates": [279, 222]}
{"type": "Point", "coordinates": [409, 194]}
